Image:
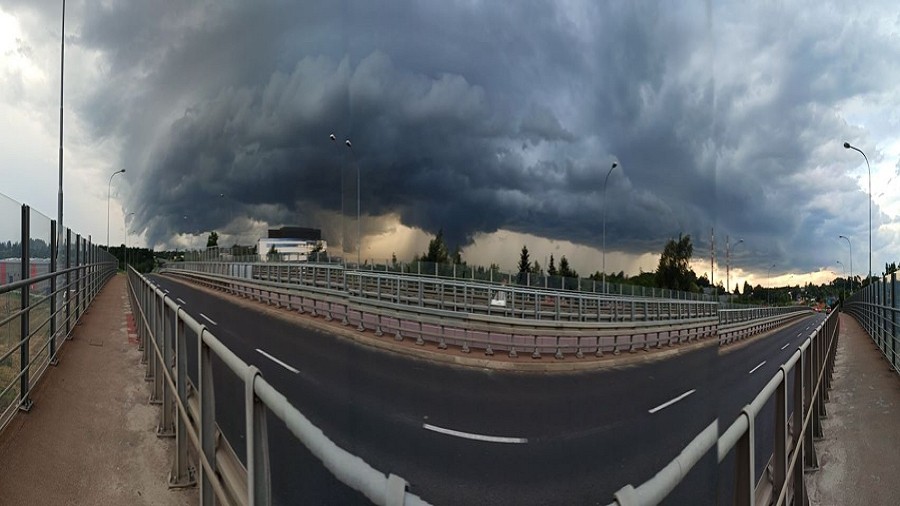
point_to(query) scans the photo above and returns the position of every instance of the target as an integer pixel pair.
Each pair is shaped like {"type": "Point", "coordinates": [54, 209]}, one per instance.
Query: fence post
{"type": "Point", "coordinates": [54, 297]}
{"type": "Point", "coordinates": [780, 459]}
{"type": "Point", "coordinates": [78, 275]}
{"type": "Point", "coordinates": [166, 426]}
{"type": "Point", "coordinates": [259, 484]}
{"type": "Point", "coordinates": [207, 419]}
{"type": "Point", "coordinates": [68, 295]}
{"type": "Point", "coordinates": [796, 428]}
{"type": "Point", "coordinates": [24, 320]}
{"type": "Point", "coordinates": [896, 308]}
{"type": "Point", "coordinates": [182, 473]}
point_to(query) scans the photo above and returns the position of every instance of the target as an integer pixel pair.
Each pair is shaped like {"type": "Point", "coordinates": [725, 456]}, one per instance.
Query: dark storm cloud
{"type": "Point", "coordinates": [472, 117]}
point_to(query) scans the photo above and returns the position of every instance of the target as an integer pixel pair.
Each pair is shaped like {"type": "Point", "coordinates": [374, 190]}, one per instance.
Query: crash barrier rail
{"type": "Point", "coordinates": [877, 309]}
{"type": "Point", "coordinates": [43, 294]}
{"type": "Point", "coordinates": [458, 272]}
{"type": "Point", "coordinates": [488, 332]}
{"type": "Point", "coordinates": [462, 295]}
{"type": "Point", "coordinates": [810, 367]}
{"type": "Point", "coordinates": [188, 413]}
{"type": "Point", "coordinates": [732, 329]}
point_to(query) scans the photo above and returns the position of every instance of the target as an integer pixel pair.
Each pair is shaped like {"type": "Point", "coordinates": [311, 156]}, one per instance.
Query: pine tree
{"type": "Point", "coordinates": [524, 260]}
{"type": "Point", "coordinates": [551, 269]}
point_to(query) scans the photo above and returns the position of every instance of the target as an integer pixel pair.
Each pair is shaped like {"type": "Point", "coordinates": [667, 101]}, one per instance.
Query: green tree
{"type": "Point", "coordinates": [565, 270]}
{"type": "Point", "coordinates": [674, 270]}
{"type": "Point", "coordinates": [437, 250]}
{"type": "Point", "coordinates": [536, 268]}
{"type": "Point", "coordinates": [551, 268]}
{"type": "Point", "coordinates": [524, 260]}
{"type": "Point", "coordinates": [213, 240]}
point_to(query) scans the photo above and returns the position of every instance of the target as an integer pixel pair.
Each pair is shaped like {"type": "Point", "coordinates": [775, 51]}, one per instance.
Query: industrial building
{"type": "Point", "coordinates": [290, 244]}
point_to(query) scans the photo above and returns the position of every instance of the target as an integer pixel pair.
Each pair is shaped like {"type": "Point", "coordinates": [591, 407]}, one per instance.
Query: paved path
{"type": "Point", "coordinates": [860, 455]}
{"type": "Point", "coordinates": [90, 437]}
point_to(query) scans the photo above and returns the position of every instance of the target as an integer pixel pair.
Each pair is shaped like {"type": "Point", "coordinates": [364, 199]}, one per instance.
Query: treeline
{"type": "Point", "coordinates": [38, 248]}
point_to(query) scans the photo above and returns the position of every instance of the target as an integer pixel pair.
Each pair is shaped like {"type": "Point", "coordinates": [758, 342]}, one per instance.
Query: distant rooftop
{"type": "Point", "coordinates": [308, 234]}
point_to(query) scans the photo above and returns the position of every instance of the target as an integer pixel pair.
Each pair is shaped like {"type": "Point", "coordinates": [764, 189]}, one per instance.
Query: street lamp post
{"type": "Point", "coordinates": [845, 271]}
{"type": "Point", "coordinates": [356, 162]}
{"type": "Point", "coordinates": [126, 240]}
{"type": "Point", "coordinates": [847, 145]}
{"type": "Point", "coordinates": [769, 291]}
{"type": "Point", "coordinates": [334, 139]}
{"type": "Point", "coordinates": [728, 250]}
{"type": "Point", "coordinates": [603, 274]}
{"type": "Point", "coordinates": [851, 258]}
{"type": "Point", "coordinates": [108, 187]}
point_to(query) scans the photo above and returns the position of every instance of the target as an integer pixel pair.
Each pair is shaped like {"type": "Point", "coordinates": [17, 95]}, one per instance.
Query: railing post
{"type": "Point", "coordinates": [78, 274]}
{"type": "Point", "coordinates": [166, 426]}
{"type": "Point", "coordinates": [259, 485]}
{"type": "Point", "coordinates": [896, 308]}
{"type": "Point", "coordinates": [800, 449]}
{"type": "Point", "coordinates": [207, 419]}
{"type": "Point", "coordinates": [67, 297]}
{"type": "Point", "coordinates": [780, 457]}
{"type": "Point", "coordinates": [744, 466]}
{"type": "Point", "coordinates": [809, 368]}
{"type": "Point", "coordinates": [182, 474]}
{"type": "Point", "coordinates": [24, 320]}
{"type": "Point", "coordinates": [54, 297]}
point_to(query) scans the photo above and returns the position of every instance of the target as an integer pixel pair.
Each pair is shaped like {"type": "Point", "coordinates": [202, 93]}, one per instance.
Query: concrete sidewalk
{"type": "Point", "coordinates": [860, 455]}
{"type": "Point", "coordinates": [90, 437]}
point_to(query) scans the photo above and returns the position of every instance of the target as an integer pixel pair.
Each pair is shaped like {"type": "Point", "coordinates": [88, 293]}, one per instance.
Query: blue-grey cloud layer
{"type": "Point", "coordinates": [472, 116]}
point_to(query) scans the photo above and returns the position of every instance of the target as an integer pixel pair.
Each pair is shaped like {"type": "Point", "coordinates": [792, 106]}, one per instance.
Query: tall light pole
{"type": "Point", "coordinates": [728, 250]}
{"type": "Point", "coordinates": [334, 140]}
{"type": "Point", "coordinates": [126, 240]}
{"type": "Point", "coordinates": [769, 277]}
{"type": "Point", "coordinates": [108, 188]}
{"type": "Point", "coordinates": [844, 269]}
{"type": "Point", "coordinates": [62, 59]}
{"type": "Point", "coordinates": [851, 258]}
{"type": "Point", "coordinates": [603, 274]}
{"type": "Point", "coordinates": [847, 145]}
{"type": "Point", "coordinates": [356, 162]}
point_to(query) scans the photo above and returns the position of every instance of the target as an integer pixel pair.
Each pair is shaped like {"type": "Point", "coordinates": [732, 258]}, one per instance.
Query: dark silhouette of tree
{"type": "Point", "coordinates": [564, 269]}
{"type": "Point", "coordinates": [213, 240]}
{"type": "Point", "coordinates": [437, 250]}
{"type": "Point", "coordinates": [674, 270]}
{"type": "Point", "coordinates": [551, 269]}
{"type": "Point", "coordinates": [524, 260]}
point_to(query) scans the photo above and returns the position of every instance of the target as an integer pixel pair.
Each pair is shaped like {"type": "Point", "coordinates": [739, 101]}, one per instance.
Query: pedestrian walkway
{"type": "Point", "coordinates": [90, 437]}
{"type": "Point", "coordinates": [860, 454]}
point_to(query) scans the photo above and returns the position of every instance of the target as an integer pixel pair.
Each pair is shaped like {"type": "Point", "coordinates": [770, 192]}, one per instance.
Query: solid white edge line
{"type": "Point", "coordinates": [785, 346]}
{"type": "Point", "coordinates": [181, 301]}
{"type": "Point", "coordinates": [208, 319]}
{"type": "Point", "coordinates": [279, 362]}
{"type": "Point", "coordinates": [475, 437]}
{"type": "Point", "coordinates": [673, 401]}
{"type": "Point", "coordinates": [757, 367]}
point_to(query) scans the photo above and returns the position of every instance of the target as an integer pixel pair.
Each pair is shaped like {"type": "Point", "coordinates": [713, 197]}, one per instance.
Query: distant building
{"type": "Point", "coordinates": [290, 244]}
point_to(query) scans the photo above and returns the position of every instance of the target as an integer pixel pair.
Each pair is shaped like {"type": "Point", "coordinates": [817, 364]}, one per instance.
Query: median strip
{"type": "Point", "coordinates": [757, 367]}
{"type": "Point", "coordinates": [208, 319]}
{"type": "Point", "coordinates": [673, 401]}
{"type": "Point", "coordinates": [475, 437]}
{"type": "Point", "coordinates": [279, 362]}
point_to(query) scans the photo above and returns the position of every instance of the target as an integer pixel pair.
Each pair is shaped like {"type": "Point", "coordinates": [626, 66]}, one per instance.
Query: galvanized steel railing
{"type": "Point", "coordinates": [877, 308]}
{"type": "Point", "coordinates": [188, 413]}
{"type": "Point", "coordinates": [41, 299]}
{"type": "Point", "coordinates": [793, 452]}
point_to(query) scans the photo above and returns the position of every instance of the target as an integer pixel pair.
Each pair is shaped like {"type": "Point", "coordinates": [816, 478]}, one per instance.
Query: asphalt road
{"type": "Point", "coordinates": [470, 436]}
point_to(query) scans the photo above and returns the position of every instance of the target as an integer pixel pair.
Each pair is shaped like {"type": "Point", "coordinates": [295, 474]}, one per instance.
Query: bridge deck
{"type": "Point", "coordinates": [90, 436]}
{"type": "Point", "coordinates": [858, 458]}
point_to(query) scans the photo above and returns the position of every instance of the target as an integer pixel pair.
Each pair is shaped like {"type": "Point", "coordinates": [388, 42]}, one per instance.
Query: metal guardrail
{"type": "Point", "coordinates": [463, 295]}
{"type": "Point", "coordinates": [188, 413]}
{"type": "Point", "coordinates": [39, 311]}
{"type": "Point", "coordinates": [793, 452]}
{"type": "Point", "coordinates": [448, 328]}
{"type": "Point", "coordinates": [877, 309]}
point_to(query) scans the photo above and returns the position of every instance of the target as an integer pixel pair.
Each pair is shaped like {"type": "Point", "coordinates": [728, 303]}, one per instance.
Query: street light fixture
{"type": "Point", "coordinates": [334, 139]}
{"type": "Point", "coordinates": [350, 147]}
{"type": "Point", "coordinates": [847, 145]}
{"type": "Point", "coordinates": [851, 258]}
{"type": "Point", "coordinates": [603, 274]}
{"type": "Point", "coordinates": [108, 187]}
{"type": "Point", "coordinates": [728, 251]}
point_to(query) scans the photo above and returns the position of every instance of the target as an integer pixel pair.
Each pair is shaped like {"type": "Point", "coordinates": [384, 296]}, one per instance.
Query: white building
{"type": "Point", "coordinates": [290, 244]}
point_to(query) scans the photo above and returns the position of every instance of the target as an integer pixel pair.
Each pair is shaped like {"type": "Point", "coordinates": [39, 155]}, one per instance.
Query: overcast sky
{"type": "Point", "coordinates": [494, 121]}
